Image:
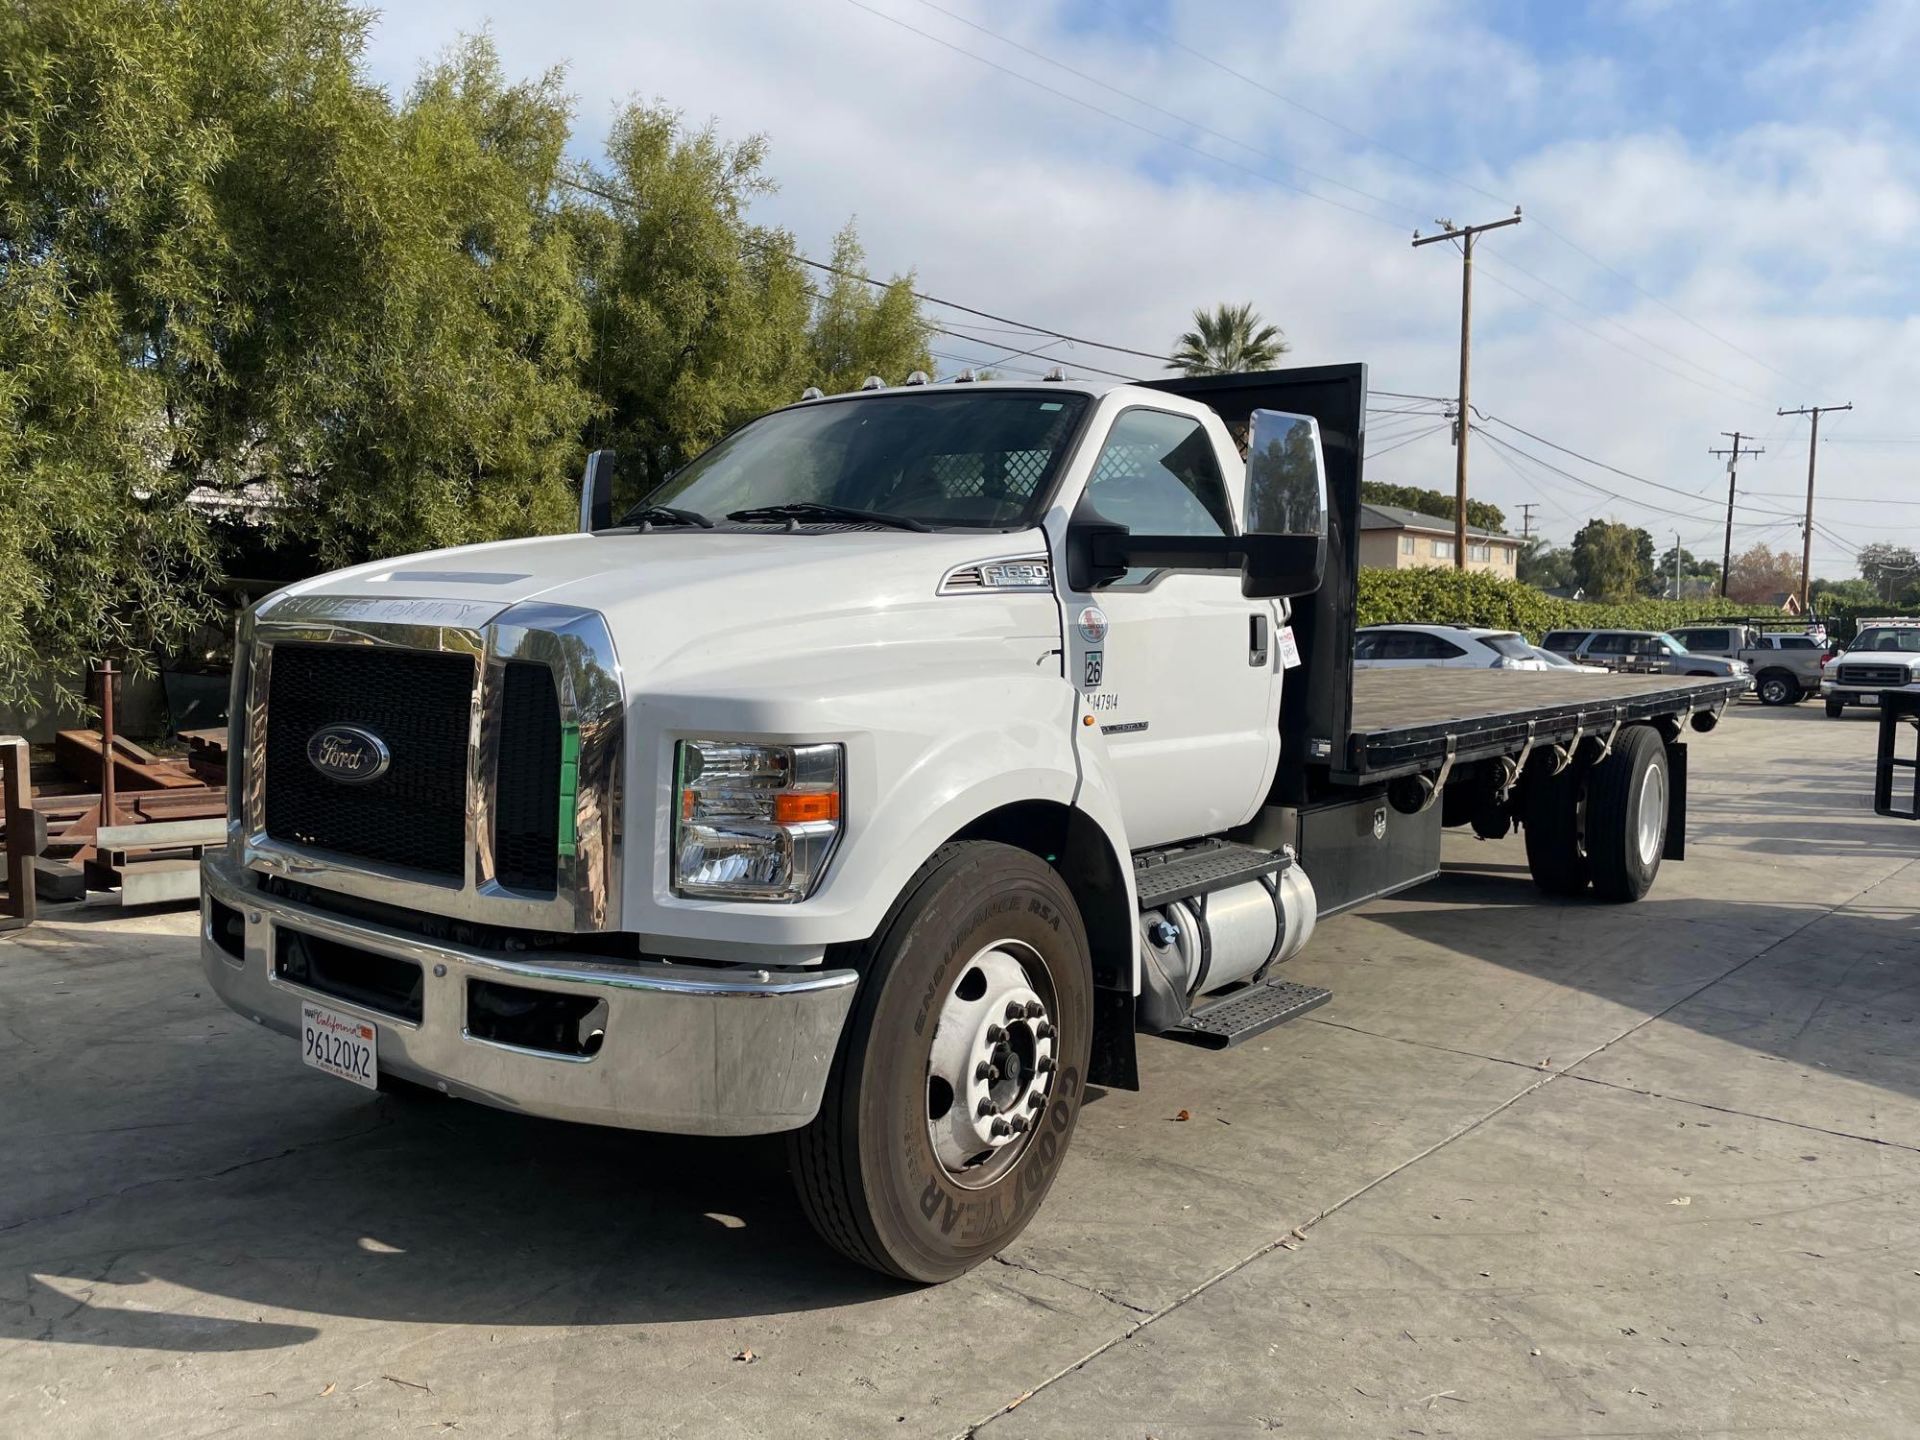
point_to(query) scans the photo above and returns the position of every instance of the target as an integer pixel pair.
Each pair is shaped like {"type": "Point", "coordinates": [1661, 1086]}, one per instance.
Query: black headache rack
{"type": "Point", "coordinates": [1315, 716]}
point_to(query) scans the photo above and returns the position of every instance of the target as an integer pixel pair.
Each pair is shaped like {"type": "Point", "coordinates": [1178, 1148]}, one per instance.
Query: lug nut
{"type": "Point", "coordinates": [1018, 1124]}
{"type": "Point", "coordinates": [1001, 1127]}
{"type": "Point", "coordinates": [984, 1108]}
{"type": "Point", "coordinates": [1043, 1030]}
{"type": "Point", "coordinates": [1016, 1011]}
{"type": "Point", "coordinates": [986, 1070]}
{"type": "Point", "coordinates": [1043, 1065]}
{"type": "Point", "coordinates": [1035, 1010]}
{"type": "Point", "coordinates": [995, 1034]}
{"type": "Point", "coordinates": [1036, 1101]}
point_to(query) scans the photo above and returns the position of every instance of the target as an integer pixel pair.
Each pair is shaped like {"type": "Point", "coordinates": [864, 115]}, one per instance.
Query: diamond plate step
{"type": "Point", "coordinates": [1246, 1013]}
{"type": "Point", "coordinates": [1199, 870]}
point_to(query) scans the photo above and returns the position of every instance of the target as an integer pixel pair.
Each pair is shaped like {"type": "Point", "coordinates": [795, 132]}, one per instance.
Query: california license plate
{"type": "Point", "coordinates": [1872, 697]}
{"type": "Point", "coordinates": [342, 1045]}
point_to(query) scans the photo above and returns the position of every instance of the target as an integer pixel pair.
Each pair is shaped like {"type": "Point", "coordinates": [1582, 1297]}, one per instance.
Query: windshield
{"type": "Point", "coordinates": [1889, 637]}
{"type": "Point", "coordinates": [966, 459]}
{"type": "Point", "coordinates": [1508, 644]}
{"type": "Point", "coordinates": [1678, 648]}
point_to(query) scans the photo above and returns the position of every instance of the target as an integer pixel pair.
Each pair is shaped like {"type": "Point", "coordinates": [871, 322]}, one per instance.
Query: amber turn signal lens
{"type": "Point", "coordinates": [803, 808]}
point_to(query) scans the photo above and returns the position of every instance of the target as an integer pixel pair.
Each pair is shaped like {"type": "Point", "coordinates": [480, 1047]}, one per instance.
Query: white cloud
{"type": "Point", "coordinates": [1787, 237]}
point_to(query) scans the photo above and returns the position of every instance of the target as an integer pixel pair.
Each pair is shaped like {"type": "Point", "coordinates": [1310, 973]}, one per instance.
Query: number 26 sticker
{"type": "Point", "coordinates": [1092, 670]}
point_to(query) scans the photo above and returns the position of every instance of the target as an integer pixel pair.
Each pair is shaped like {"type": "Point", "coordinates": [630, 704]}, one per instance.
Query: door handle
{"type": "Point", "coordinates": [1257, 640]}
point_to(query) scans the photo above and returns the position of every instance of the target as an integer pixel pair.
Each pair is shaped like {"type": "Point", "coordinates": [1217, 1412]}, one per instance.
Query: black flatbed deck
{"type": "Point", "coordinates": [1409, 720]}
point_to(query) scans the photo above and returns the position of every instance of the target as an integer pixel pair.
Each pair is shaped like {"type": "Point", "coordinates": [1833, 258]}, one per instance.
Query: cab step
{"type": "Point", "coordinates": [1164, 875]}
{"type": "Point", "coordinates": [1242, 1014]}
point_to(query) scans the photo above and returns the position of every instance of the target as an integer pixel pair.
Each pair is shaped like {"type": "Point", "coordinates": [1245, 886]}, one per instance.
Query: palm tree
{"type": "Point", "coordinates": [1230, 340]}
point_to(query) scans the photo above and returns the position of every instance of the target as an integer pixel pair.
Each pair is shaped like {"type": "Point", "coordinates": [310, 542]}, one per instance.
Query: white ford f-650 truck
{"type": "Point", "coordinates": [878, 779]}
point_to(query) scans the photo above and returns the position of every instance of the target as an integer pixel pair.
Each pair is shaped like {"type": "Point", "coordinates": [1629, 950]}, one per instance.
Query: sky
{"type": "Point", "coordinates": [1721, 200]}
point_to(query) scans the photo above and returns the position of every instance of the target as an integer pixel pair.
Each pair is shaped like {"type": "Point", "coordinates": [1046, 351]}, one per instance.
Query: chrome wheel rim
{"type": "Point", "coordinates": [991, 1067]}
{"type": "Point", "coordinates": [1652, 836]}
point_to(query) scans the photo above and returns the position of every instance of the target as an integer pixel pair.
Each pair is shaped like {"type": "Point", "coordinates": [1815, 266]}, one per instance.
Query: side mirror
{"type": "Point", "coordinates": [1285, 503]}
{"type": "Point", "coordinates": [596, 491]}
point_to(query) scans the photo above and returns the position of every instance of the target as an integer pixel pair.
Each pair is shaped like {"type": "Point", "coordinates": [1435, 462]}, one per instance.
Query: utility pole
{"type": "Point", "coordinates": [1813, 457]}
{"type": "Point", "coordinates": [1465, 235]}
{"type": "Point", "coordinates": [1733, 455]}
{"type": "Point", "coordinates": [1527, 507]}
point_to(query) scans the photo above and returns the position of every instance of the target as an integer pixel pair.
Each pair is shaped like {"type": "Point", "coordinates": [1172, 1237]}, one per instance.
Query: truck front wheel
{"type": "Point", "coordinates": [1835, 709]}
{"type": "Point", "coordinates": [961, 1072]}
{"type": "Point", "coordinates": [1627, 801]}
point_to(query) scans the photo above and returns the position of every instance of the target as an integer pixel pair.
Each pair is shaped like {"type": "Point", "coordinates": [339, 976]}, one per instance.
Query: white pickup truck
{"type": "Point", "coordinates": [877, 779]}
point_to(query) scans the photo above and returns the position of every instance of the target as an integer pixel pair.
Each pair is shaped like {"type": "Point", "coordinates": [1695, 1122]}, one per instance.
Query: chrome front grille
{"type": "Point", "coordinates": [504, 726]}
{"type": "Point", "coordinates": [1859, 674]}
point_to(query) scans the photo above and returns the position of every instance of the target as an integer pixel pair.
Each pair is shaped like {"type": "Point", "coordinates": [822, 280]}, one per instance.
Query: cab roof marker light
{"type": "Point", "coordinates": [1056, 373]}
{"type": "Point", "coordinates": [919, 377]}
{"type": "Point", "coordinates": [965, 377]}
{"type": "Point", "coordinates": [873, 382]}
{"type": "Point", "coordinates": [813, 392]}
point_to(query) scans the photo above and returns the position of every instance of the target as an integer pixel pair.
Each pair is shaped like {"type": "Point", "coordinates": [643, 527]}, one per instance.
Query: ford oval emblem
{"type": "Point", "coordinates": [348, 754]}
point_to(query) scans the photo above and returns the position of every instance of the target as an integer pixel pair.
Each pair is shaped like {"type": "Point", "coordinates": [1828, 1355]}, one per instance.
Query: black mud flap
{"type": "Point", "coordinates": [1114, 1062]}
{"type": "Point", "coordinates": [1676, 846]}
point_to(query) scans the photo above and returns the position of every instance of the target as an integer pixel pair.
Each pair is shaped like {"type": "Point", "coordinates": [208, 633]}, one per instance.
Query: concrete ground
{"type": "Point", "coordinates": [1538, 1169]}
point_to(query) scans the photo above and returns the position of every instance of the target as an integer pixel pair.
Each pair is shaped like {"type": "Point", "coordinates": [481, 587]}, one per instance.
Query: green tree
{"type": "Point", "coordinates": [1547, 566]}
{"type": "Point", "coordinates": [1692, 569]}
{"type": "Point", "coordinates": [1480, 514]}
{"type": "Point", "coordinates": [1229, 339]}
{"type": "Point", "coordinates": [229, 267]}
{"type": "Point", "coordinates": [1613, 562]}
{"type": "Point", "coordinates": [856, 332]}
{"type": "Point", "coordinates": [1758, 575]}
{"type": "Point", "coordinates": [1890, 569]}
{"type": "Point", "coordinates": [699, 317]}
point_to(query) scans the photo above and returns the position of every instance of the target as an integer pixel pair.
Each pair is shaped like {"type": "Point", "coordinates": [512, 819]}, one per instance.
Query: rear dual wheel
{"type": "Point", "coordinates": [1602, 826]}
{"type": "Point", "coordinates": [961, 1071]}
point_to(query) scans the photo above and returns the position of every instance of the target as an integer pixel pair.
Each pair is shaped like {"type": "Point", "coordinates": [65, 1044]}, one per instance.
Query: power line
{"type": "Point", "coordinates": [1123, 120]}
{"type": "Point", "coordinates": [1733, 454]}
{"type": "Point", "coordinates": [1465, 235]}
{"type": "Point", "coordinates": [1419, 164]}
{"type": "Point", "coordinates": [1112, 89]}
{"type": "Point", "coordinates": [1399, 444]}
{"type": "Point", "coordinates": [617, 199]}
{"type": "Point", "coordinates": [1612, 469]}
{"type": "Point", "coordinates": [1813, 412]}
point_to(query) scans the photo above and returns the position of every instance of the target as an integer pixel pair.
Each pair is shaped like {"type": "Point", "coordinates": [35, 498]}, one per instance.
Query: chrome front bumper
{"type": "Point", "coordinates": [693, 1049]}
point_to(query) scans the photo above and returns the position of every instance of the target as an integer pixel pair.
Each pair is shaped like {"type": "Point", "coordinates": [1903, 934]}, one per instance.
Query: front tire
{"type": "Point", "coordinates": [1627, 800]}
{"type": "Point", "coordinates": [947, 1115]}
{"type": "Point", "coordinates": [1835, 709]}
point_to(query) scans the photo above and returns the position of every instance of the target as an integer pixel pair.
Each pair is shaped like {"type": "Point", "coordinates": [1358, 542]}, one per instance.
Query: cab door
{"type": "Point", "coordinates": [1180, 670]}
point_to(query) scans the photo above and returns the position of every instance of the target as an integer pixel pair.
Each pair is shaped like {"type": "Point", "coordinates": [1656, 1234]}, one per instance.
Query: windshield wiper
{"type": "Point", "coordinates": [648, 515]}
{"type": "Point", "coordinates": [818, 510]}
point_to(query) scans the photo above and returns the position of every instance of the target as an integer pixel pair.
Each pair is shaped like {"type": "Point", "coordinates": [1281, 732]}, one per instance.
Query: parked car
{"type": "Point", "coordinates": [1554, 660]}
{"type": "Point", "coordinates": [1786, 665]}
{"type": "Point", "coordinates": [1884, 655]}
{"type": "Point", "coordinates": [1641, 652]}
{"type": "Point", "coordinates": [1462, 647]}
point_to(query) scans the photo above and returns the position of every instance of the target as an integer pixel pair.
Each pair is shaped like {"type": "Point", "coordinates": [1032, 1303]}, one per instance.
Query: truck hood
{"type": "Point", "coordinates": [699, 601]}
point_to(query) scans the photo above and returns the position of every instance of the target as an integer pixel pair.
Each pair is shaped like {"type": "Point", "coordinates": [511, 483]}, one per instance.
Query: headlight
{"type": "Point", "coordinates": [754, 822]}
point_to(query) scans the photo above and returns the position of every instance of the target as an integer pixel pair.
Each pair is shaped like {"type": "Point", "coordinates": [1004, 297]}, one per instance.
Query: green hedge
{"type": "Point", "coordinates": [1453, 597]}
